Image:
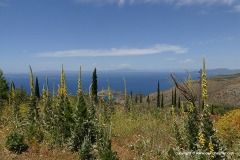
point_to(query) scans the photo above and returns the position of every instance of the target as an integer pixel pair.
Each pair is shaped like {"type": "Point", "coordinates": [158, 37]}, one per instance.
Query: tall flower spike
{"type": "Point", "coordinates": [191, 107]}
{"type": "Point", "coordinates": [12, 90]}
{"type": "Point", "coordinates": [90, 92]}
{"type": "Point", "coordinates": [53, 89]}
{"type": "Point", "coordinates": [63, 91]}
{"type": "Point", "coordinates": [109, 93]}
{"type": "Point", "coordinates": [44, 93]}
{"type": "Point", "coordinates": [173, 114]}
{"type": "Point", "coordinates": [48, 90]}
{"type": "Point", "coordinates": [201, 138]}
{"type": "Point", "coordinates": [211, 149]}
{"type": "Point", "coordinates": [182, 108]}
{"type": "Point", "coordinates": [80, 81]}
{"type": "Point", "coordinates": [31, 81]}
{"type": "Point", "coordinates": [189, 79]}
{"type": "Point", "coordinates": [125, 88]}
{"type": "Point", "coordinates": [204, 84]}
{"type": "Point", "coordinates": [103, 96]}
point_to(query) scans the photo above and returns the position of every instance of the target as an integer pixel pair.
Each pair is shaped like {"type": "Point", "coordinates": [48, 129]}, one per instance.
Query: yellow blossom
{"type": "Point", "coordinates": [211, 149]}
{"type": "Point", "coordinates": [191, 107]}
{"type": "Point", "coordinates": [201, 138]}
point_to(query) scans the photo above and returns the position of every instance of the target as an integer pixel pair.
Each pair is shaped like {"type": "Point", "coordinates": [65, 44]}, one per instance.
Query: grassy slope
{"type": "Point", "coordinates": [222, 90]}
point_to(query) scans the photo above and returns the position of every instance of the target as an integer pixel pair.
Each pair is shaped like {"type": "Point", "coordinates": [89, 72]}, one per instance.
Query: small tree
{"type": "Point", "coordinates": [148, 100]}
{"type": "Point", "coordinates": [140, 98]}
{"type": "Point", "coordinates": [37, 93]}
{"type": "Point", "coordinates": [162, 101]}
{"type": "Point", "coordinates": [136, 98]}
{"type": "Point", "coordinates": [179, 102]}
{"type": "Point", "coordinates": [158, 95]}
{"type": "Point", "coordinates": [94, 85]}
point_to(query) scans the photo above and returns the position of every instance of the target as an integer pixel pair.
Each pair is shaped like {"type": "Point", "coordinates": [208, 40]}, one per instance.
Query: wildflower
{"type": "Point", "coordinates": [201, 138]}
{"type": "Point", "coordinates": [211, 149]}
{"type": "Point", "coordinates": [191, 107]}
{"type": "Point", "coordinates": [79, 81]}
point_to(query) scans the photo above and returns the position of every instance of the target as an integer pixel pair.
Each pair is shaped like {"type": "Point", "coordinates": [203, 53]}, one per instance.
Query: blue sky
{"type": "Point", "coordinates": [116, 34]}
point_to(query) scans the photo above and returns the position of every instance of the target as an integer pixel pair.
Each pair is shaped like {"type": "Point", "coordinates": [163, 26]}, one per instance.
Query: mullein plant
{"type": "Point", "coordinates": [63, 113]}
{"type": "Point", "coordinates": [206, 122]}
{"type": "Point", "coordinates": [48, 112]}
{"type": "Point", "coordinates": [33, 113]}
{"type": "Point", "coordinates": [192, 122]}
{"type": "Point", "coordinates": [192, 128]}
{"type": "Point", "coordinates": [80, 118]}
{"type": "Point", "coordinates": [16, 108]}
{"type": "Point", "coordinates": [178, 134]}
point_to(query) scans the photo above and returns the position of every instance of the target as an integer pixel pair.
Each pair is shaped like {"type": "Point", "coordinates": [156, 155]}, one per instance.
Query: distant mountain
{"type": "Point", "coordinates": [223, 71]}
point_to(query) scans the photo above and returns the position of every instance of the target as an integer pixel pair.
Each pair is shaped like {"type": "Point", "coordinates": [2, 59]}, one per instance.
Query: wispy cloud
{"type": "Point", "coordinates": [172, 2]}
{"type": "Point", "coordinates": [186, 61]}
{"type": "Point", "coordinates": [236, 8]}
{"type": "Point", "coordinates": [156, 49]}
{"type": "Point", "coordinates": [121, 66]}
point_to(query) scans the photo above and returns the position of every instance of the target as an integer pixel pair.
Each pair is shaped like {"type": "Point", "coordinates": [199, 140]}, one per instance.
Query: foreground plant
{"type": "Point", "coordinates": [15, 143]}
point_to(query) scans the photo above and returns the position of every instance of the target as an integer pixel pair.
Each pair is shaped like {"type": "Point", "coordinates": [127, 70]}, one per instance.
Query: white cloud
{"type": "Point", "coordinates": [121, 66]}
{"type": "Point", "coordinates": [173, 2]}
{"type": "Point", "coordinates": [156, 49]}
{"type": "Point", "coordinates": [186, 61]}
{"type": "Point", "coordinates": [236, 8]}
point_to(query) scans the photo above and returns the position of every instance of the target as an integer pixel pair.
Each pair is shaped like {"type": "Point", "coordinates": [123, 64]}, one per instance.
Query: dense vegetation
{"type": "Point", "coordinates": [54, 125]}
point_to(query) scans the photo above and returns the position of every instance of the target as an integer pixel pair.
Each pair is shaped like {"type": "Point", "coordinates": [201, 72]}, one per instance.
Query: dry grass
{"type": "Point", "coordinates": [139, 135]}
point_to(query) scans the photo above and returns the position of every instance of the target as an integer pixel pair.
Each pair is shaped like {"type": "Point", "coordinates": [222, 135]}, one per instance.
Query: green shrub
{"type": "Point", "coordinates": [15, 143]}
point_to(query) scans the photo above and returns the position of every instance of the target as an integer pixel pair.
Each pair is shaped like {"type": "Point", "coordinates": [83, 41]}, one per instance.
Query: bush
{"type": "Point", "coordinates": [15, 143]}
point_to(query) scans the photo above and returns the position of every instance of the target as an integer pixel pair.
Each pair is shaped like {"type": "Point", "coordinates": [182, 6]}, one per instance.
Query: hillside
{"type": "Point", "coordinates": [222, 90]}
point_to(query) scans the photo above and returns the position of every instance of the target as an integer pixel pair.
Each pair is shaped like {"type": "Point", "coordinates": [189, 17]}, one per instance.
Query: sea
{"type": "Point", "coordinates": [137, 82]}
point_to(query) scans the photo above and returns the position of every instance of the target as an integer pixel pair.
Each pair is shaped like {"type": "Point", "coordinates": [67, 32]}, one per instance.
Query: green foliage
{"type": "Point", "coordinates": [15, 143]}
{"type": "Point", "coordinates": [48, 114]}
{"type": "Point", "coordinates": [178, 136]}
{"type": "Point", "coordinates": [21, 96]}
{"type": "Point", "coordinates": [105, 149]}
{"type": "Point", "coordinates": [80, 129]}
{"type": "Point", "coordinates": [63, 117]}
{"type": "Point", "coordinates": [3, 87]}
{"type": "Point", "coordinates": [94, 85]}
{"type": "Point", "coordinates": [192, 129]}
{"type": "Point", "coordinates": [86, 152]}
